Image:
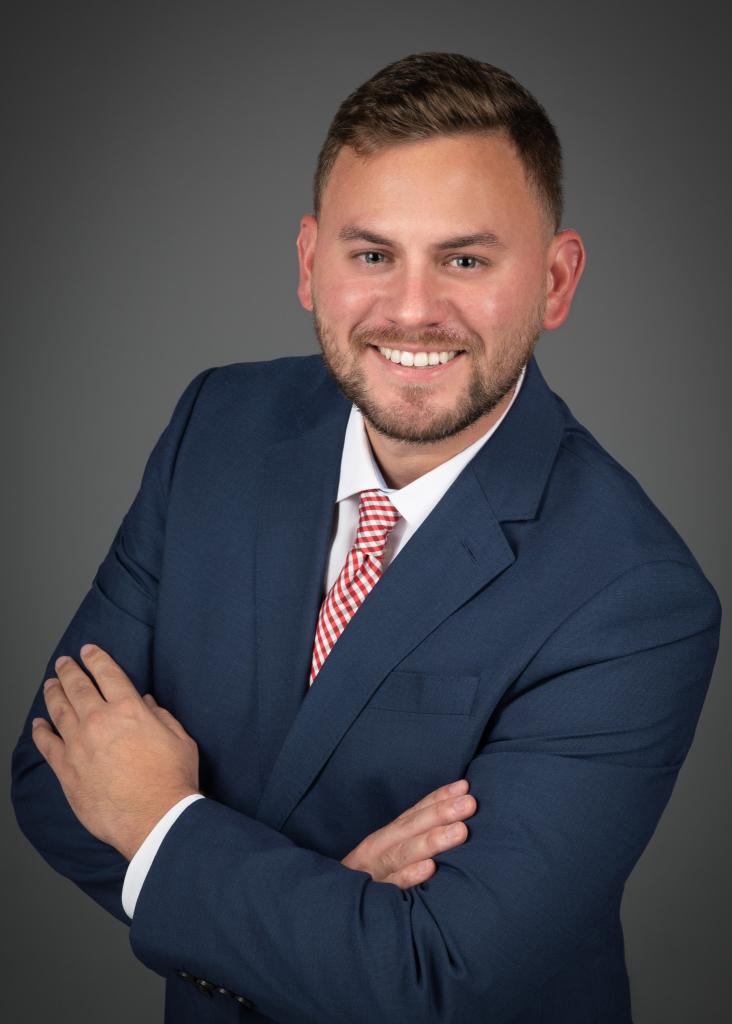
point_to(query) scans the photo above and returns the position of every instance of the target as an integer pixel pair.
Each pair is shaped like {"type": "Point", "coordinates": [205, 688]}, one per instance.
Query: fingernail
{"type": "Point", "coordinates": [88, 649]}
{"type": "Point", "coordinates": [60, 661]}
{"type": "Point", "coordinates": [457, 787]}
{"type": "Point", "coordinates": [455, 832]}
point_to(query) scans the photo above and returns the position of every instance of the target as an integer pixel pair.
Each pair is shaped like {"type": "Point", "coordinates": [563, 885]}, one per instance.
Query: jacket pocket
{"type": "Point", "coordinates": [426, 693]}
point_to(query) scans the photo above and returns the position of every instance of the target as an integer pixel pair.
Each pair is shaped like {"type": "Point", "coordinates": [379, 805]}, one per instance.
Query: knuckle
{"type": "Point", "coordinates": [437, 838]}
{"type": "Point", "coordinates": [96, 719]}
{"type": "Point", "coordinates": [128, 706]}
{"type": "Point", "coordinates": [76, 686]}
{"type": "Point", "coordinates": [420, 870]}
{"type": "Point", "coordinates": [458, 807]}
{"type": "Point", "coordinates": [60, 713]}
{"type": "Point", "coordinates": [390, 860]}
{"type": "Point", "coordinates": [454, 834]}
{"type": "Point", "coordinates": [444, 811]}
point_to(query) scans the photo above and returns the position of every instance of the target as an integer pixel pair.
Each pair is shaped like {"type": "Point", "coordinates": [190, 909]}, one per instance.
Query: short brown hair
{"type": "Point", "coordinates": [429, 94]}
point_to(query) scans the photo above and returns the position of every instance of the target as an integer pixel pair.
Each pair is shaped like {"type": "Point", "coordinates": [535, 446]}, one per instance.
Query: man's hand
{"type": "Point", "coordinates": [401, 852]}
{"type": "Point", "coordinates": [121, 760]}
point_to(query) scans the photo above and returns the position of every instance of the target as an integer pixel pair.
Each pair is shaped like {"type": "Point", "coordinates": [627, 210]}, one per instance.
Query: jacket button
{"type": "Point", "coordinates": [185, 976]}
{"type": "Point", "coordinates": [205, 987]}
{"type": "Point", "coordinates": [243, 1001]}
{"type": "Point", "coordinates": [221, 991]}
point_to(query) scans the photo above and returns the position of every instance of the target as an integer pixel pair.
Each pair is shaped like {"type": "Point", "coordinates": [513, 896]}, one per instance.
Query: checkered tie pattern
{"type": "Point", "coordinates": [362, 571]}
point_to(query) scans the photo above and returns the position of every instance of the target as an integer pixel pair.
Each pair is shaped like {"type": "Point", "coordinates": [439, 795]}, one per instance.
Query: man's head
{"type": "Point", "coordinates": [431, 152]}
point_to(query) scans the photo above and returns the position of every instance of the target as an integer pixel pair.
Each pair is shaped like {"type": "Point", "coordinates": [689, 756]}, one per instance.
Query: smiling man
{"type": "Point", "coordinates": [356, 584]}
{"type": "Point", "coordinates": [426, 322]}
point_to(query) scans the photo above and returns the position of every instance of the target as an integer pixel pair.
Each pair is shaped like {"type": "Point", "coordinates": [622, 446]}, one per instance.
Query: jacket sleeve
{"type": "Point", "coordinates": [572, 777]}
{"type": "Point", "coordinates": [139, 866]}
{"type": "Point", "coordinates": [118, 612]}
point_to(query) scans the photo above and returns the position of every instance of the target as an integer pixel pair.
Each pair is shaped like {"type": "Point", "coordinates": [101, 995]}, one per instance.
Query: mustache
{"type": "Point", "coordinates": [393, 337]}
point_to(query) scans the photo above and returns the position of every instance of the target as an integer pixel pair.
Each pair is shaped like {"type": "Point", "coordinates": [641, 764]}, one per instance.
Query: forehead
{"type": "Point", "coordinates": [440, 182]}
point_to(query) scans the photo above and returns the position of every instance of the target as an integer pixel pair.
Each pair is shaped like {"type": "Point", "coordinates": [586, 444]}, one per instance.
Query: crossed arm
{"type": "Point", "coordinates": [568, 796]}
{"type": "Point", "coordinates": [123, 762]}
{"type": "Point", "coordinates": [579, 765]}
{"type": "Point", "coordinates": [118, 612]}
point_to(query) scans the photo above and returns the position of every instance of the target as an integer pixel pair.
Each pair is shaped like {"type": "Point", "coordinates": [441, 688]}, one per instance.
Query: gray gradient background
{"type": "Point", "coordinates": [157, 159]}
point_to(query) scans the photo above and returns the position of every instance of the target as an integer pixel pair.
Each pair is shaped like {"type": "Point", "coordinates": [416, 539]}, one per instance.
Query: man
{"type": "Point", "coordinates": [350, 579]}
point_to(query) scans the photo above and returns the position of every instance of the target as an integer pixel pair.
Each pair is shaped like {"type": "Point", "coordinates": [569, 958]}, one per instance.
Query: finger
{"type": "Point", "coordinates": [112, 680]}
{"type": "Point", "coordinates": [413, 874]}
{"type": "Point", "coordinates": [166, 717]}
{"type": "Point", "coordinates": [420, 834]}
{"type": "Point", "coordinates": [439, 812]}
{"type": "Point", "coordinates": [79, 689]}
{"type": "Point", "coordinates": [60, 710]}
{"type": "Point", "coordinates": [452, 789]}
{"type": "Point", "coordinates": [414, 822]}
{"type": "Point", "coordinates": [417, 854]}
{"type": "Point", "coordinates": [415, 849]}
{"type": "Point", "coordinates": [49, 745]}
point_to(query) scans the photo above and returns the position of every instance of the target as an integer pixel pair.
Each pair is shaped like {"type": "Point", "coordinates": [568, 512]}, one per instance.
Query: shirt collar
{"type": "Point", "coordinates": [360, 471]}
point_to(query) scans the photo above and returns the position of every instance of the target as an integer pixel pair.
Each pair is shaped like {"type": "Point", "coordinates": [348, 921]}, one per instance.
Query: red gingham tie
{"type": "Point", "coordinates": [376, 517]}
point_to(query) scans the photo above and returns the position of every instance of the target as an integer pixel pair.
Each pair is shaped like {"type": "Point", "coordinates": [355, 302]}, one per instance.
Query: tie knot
{"type": "Point", "coordinates": [376, 517]}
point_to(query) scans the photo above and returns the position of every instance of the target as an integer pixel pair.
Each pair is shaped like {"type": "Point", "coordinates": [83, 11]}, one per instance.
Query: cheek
{"type": "Point", "coordinates": [340, 296]}
{"type": "Point", "coordinates": [504, 302]}
{"type": "Point", "coordinates": [487, 311]}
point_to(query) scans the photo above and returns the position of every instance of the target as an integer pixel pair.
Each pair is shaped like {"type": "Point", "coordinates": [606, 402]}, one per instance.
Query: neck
{"type": "Point", "coordinates": [401, 462]}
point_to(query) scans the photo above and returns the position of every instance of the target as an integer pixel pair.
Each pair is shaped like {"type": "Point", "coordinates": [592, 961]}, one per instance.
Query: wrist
{"type": "Point", "coordinates": [130, 842]}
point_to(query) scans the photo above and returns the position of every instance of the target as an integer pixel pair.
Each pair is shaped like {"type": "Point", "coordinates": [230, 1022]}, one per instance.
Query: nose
{"type": "Point", "coordinates": [413, 300]}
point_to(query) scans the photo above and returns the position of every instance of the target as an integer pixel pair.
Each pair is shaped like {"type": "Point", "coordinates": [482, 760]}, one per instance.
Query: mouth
{"type": "Point", "coordinates": [417, 373]}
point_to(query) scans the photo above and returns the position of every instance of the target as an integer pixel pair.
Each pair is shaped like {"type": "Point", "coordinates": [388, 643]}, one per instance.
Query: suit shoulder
{"type": "Point", "coordinates": [609, 508]}
{"type": "Point", "coordinates": [280, 374]}
{"type": "Point", "coordinates": [237, 392]}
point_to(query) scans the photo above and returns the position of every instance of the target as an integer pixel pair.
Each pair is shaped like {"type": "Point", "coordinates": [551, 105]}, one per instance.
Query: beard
{"type": "Point", "coordinates": [412, 418]}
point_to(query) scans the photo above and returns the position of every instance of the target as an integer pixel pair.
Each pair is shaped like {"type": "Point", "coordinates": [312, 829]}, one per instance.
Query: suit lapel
{"type": "Point", "coordinates": [459, 548]}
{"type": "Point", "coordinates": [294, 529]}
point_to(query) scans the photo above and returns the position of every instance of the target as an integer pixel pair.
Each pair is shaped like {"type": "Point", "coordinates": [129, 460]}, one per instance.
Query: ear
{"type": "Point", "coordinates": [565, 264]}
{"type": "Point", "coordinates": [306, 240]}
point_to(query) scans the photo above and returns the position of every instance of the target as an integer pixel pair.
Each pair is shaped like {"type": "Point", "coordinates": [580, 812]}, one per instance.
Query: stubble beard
{"type": "Point", "coordinates": [409, 419]}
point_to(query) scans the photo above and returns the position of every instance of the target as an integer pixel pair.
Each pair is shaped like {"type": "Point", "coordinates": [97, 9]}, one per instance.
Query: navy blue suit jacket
{"type": "Point", "coordinates": [545, 633]}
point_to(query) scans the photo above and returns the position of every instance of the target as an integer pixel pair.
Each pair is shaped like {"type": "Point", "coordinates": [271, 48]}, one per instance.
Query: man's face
{"type": "Point", "coordinates": [377, 270]}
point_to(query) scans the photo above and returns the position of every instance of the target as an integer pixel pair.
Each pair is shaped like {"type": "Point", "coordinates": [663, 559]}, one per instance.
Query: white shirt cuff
{"type": "Point", "coordinates": [140, 864]}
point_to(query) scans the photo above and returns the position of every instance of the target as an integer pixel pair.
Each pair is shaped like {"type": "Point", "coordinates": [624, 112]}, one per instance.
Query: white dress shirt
{"type": "Point", "coordinates": [359, 472]}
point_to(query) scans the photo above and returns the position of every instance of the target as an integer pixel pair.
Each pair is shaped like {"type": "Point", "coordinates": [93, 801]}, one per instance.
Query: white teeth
{"type": "Point", "coordinates": [417, 358]}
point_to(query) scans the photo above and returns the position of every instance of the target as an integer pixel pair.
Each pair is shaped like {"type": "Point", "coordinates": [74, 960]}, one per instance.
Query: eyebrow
{"type": "Point", "coordinates": [354, 232]}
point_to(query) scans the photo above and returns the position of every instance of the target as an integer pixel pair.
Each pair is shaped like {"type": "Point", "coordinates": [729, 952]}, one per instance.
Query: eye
{"type": "Point", "coordinates": [373, 257]}
{"type": "Point", "coordinates": [370, 252]}
{"type": "Point", "coordinates": [476, 261]}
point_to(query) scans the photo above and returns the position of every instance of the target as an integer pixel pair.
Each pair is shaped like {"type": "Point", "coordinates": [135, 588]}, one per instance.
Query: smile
{"type": "Point", "coordinates": [440, 364]}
